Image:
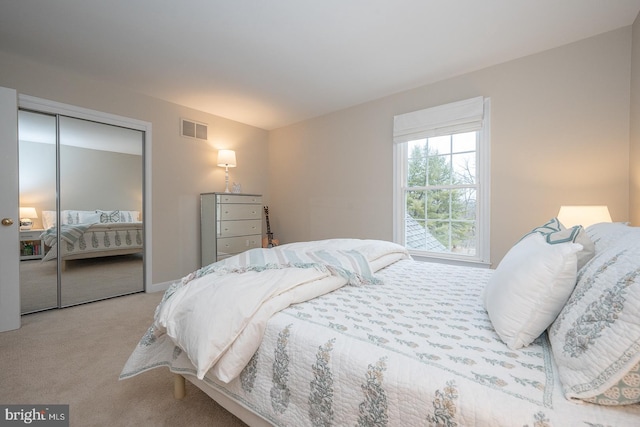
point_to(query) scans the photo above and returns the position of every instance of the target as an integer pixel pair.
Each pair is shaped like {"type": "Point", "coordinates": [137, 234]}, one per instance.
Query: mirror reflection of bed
{"type": "Point", "coordinates": [97, 251]}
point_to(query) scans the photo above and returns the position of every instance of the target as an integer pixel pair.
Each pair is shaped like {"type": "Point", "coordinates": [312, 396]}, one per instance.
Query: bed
{"type": "Point", "coordinates": [355, 332]}
{"type": "Point", "coordinates": [92, 234]}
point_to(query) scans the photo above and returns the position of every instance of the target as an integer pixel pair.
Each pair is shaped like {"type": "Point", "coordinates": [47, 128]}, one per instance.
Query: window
{"type": "Point", "coordinates": [441, 188]}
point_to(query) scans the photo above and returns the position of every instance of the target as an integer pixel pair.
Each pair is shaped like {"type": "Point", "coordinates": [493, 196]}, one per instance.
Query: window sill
{"type": "Point", "coordinates": [452, 261]}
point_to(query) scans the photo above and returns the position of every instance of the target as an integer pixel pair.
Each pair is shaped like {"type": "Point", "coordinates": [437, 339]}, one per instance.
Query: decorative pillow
{"type": "Point", "coordinates": [528, 289]}
{"type": "Point", "coordinates": [70, 217]}
{"type": "Point", "coordinates": [89, 217]}
{"type": "Point", "coordinates": [577, 234]}
{"type": "Point", "coordinates": [606, 234]}
{"type": "Point", "coordinates": [551, 226]}
{"type": "Point", "coordinates": [596, 338]}
{"type": "Point", "coordinates": [129, 216]}
{"type": "Point", "coordinates": [48, 219]}
{"type": "Point", "coordinates": [109, 216]}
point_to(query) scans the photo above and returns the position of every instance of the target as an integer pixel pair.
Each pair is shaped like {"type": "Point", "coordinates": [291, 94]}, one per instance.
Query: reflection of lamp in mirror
{"type": "Point", "coordinates": [226, 159]}
{"type": "Point", "coordinates": [583, 215]}
{"type": "Point", "coordinates": [26, 216]}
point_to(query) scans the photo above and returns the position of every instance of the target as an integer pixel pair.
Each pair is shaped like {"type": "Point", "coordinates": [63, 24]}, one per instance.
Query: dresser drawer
{"type": "Point", "coordinates": [230, 223]}
{"type": "Point", "coordinates": [239, 228]}
{"type": "Point", "coordinates": [239, 211]}
{"type": "Point", "coordinates": [237, 198]}
{"type": "Point", "coordinates": [228, 246]}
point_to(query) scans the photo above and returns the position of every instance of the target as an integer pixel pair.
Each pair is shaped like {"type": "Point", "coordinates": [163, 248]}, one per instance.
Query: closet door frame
{"type": "Point", "coordinates": [46, 106]}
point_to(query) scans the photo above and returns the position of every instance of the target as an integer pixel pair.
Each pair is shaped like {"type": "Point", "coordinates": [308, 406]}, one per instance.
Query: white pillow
{"type": "Point", "coordinates": [554, 230]}
{"type": "Point", "coordinates": [129, 216]}
{"type": "Point", "coordinates": [529, 288]}
{"type": "Point", "coordinates": [89, 217]}
{"type": "Point", "coordinates": [70, 217]}
{"type": "Point", "coordinates": [607, 234]}
{"type": "Point", "coordinates": [48, 219]}
{"type": "Point", "coordinates": [575, 234]}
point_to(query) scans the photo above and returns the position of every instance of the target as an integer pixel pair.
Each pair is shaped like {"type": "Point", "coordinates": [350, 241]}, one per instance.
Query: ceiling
{"type": "Point", "coordinates": [270, 63]}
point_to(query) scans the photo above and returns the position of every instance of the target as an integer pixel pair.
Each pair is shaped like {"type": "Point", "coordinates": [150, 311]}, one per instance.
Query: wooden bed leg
{"type": "Point", "coordinates": [178, 387]}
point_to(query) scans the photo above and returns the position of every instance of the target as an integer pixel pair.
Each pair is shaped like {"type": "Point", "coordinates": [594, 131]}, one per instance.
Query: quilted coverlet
{"type": "Point", "coordinates": [88, 238]}
{"type": "Point", "coordinates": [415, 349]}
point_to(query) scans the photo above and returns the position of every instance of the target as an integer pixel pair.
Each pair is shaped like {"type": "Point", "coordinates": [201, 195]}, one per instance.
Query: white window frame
{"type": "Point", "coordinates": [446, 119]}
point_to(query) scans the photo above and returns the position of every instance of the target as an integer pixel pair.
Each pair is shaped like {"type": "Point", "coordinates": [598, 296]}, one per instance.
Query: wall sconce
{"type": "Point", "coordinates": [583, 215]}
{"type": "Point", "coordinates": [226, 159]}
{"type": "Point", "coordinates": [26, 216]}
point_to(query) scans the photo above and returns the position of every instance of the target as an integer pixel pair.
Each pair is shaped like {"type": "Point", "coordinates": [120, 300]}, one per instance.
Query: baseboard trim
{"type": "Point", "coordinates": [159, 287]}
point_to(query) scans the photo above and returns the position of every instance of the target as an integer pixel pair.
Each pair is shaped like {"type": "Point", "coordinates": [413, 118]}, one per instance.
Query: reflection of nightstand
{"type": "Point", "coordinates": [31, 246]}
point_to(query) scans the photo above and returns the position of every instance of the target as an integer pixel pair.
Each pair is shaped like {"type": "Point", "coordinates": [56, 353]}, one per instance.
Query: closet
{"type": "Point", "coordinates": [81, 188]}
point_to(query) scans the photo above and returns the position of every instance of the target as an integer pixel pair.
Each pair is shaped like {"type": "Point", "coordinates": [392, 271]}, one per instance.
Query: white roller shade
{"type": "Point", "coordinates": [456, 117]}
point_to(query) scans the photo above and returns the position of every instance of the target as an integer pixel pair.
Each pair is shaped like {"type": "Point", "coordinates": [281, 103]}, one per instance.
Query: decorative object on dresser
{"type": "Point", "coordinates": [229, 224]}
{"type": "Point", "coordinates": [26, 217]}
{"type": "Point", "coordinates": [268, 241]}
{"type": "Point", "coordinates": [226, 159]}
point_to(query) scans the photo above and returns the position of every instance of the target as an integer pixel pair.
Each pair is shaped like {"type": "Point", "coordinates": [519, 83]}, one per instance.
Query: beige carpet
{"type": "Point", "coordinates": [83, 280]}
{"type": "Point", "coordinates": [74, 356]}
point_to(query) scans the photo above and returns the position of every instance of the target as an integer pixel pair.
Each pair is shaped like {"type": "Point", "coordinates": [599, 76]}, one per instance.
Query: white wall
{"type": "Point", "coordinates": [560, 135]}
{"type": "Point", "coordinates": [93, 179]}
{"type": "Point", "coordinates": [37, 172]}
{"type": "Point", "coordinates": [634, 155]}
{"type": "Point", "coordinates": [182, 168]}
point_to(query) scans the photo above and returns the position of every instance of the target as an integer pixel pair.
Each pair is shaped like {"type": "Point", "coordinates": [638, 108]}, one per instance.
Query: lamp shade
{"type": "Point", "coordinates": [28, 212]}
{"type": "Point", "coordinates": [227, 158]}
{"type": "Point", "coordinates": [583, 215]}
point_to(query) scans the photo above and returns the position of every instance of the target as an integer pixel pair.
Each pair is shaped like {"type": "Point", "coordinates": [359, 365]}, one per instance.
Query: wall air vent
{"type": "Point", "coordinates": [192, 129]}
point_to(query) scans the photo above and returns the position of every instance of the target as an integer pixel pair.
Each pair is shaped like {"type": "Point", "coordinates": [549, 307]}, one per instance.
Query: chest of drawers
{"type": "Point", "coordinates": [229, 224]}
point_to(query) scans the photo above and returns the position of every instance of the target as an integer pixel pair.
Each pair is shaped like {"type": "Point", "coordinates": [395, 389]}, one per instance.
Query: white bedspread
{"type": "Point", "coordinates": [415, 349]}
{"type": "Point", "coordinates": [217, 315]}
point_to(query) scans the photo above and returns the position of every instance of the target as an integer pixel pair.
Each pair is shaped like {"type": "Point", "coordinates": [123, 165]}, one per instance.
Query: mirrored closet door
{"type": "Point", "coordinates": [38, 194]}
{"type": "Point", "coordinates": [81, 187]}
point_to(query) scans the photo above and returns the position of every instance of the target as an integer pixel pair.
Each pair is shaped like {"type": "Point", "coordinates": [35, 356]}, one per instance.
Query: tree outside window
{"type": "Point", "coordinates": [441, 199]}
{"type": "Point", "coordinates": [440, 194]}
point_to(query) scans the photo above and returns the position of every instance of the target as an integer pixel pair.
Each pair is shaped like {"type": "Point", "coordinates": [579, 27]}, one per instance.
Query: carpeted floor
{"type": "Point", "coordinates": [74, 356]}
{"type": "Point", "coordinates": [83, 280]}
